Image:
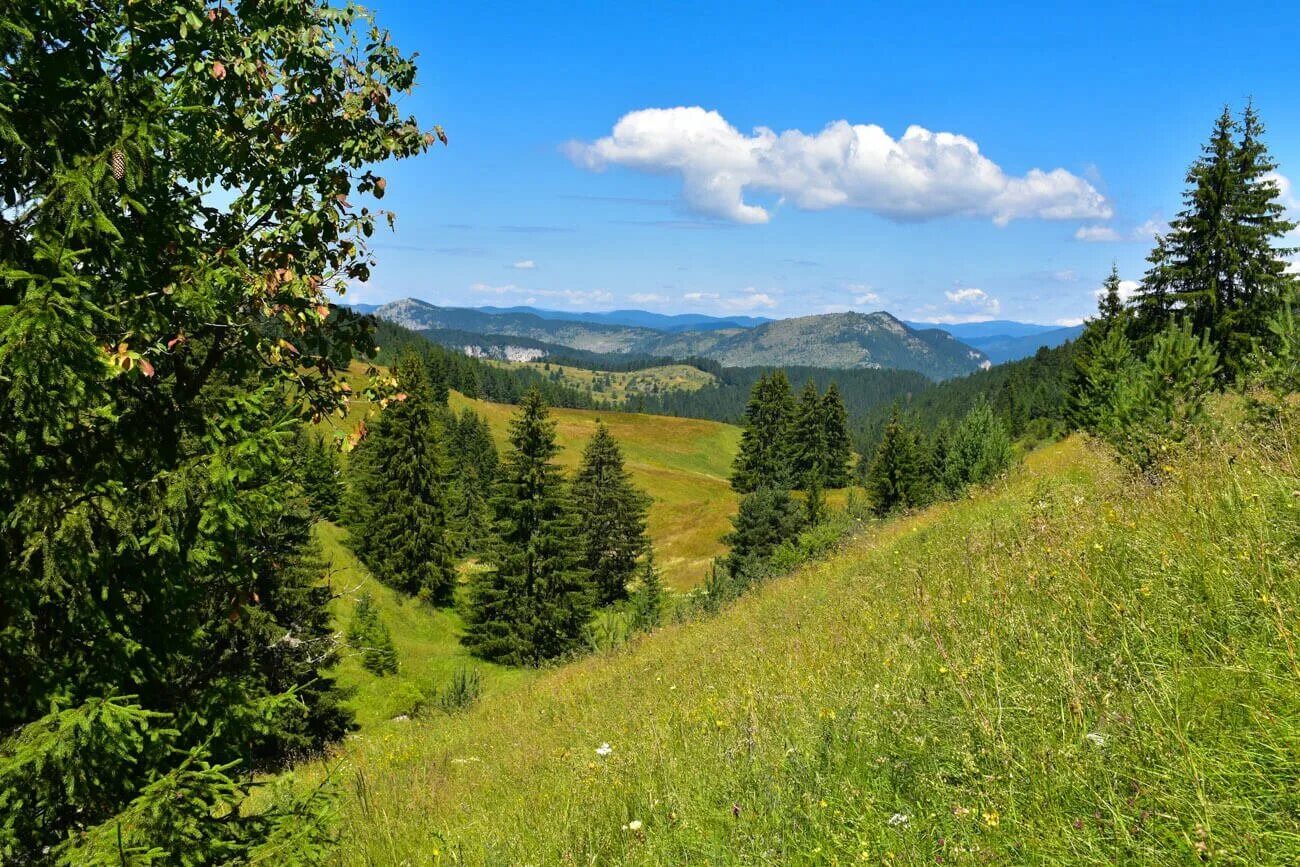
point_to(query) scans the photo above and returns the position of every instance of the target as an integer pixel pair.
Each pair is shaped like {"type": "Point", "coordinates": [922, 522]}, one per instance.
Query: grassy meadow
{"type": "Point", "coordinates": [620, 385]}
{"type": "Point", "coordinates": [1075, 666]}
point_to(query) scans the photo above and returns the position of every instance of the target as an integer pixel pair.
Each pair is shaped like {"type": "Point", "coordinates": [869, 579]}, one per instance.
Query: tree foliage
{"type": "Point", "coordinates": [176, 209]}
{"type": "Point", "coordinates": [899, 475]}
{"type": "Point", "coordinates": [535, 598]}
{"type": "Point", "coordinates": [764, 459]}
{"type": "Point", "coordinates": [611, 516]}
{"type": "Point", "coordinates": [397, 498]}
{"type": "Point", "coordinates": [766, 518]}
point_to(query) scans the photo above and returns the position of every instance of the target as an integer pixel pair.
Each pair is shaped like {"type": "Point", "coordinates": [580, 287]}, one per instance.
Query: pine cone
{"type": "Point", "coordinates": [118, 163]}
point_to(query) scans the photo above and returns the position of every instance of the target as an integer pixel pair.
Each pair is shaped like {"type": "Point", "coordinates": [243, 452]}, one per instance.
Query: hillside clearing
{"type": "Point", "coordinates": [1030, 673]}
{"type": "Point", "coordinates": [619, 385]}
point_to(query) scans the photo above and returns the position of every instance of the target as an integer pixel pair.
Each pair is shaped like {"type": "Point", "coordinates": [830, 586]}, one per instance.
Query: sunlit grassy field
{"type": "Point", "coordinates": [1075, 667]}
{"type": "Point", "coordinates": [620, 385]}
{"type": "Point", "coordinates": [683, 464]}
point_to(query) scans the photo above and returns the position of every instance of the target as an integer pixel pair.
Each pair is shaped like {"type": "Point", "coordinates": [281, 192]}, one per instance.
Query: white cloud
{"type": "Point", "coordinates": [1096, 233]}
{"type": "Point", "coordinates": [524, 265]}
{"type": "Point", "coordinates": [1127, 289]}
{"type": "Point", "coordinates": [920, 176]}
{"type": "Point", "coordinates": [1284, 189]}
{"type": "Point", "coordinates": [1148, 230]}
{"type": "Point", "coordinates": [647, 298]}
{"type": "Point", "coordinates": [1070, 322]}
{"type": "Point", "coordinates": [701, 296]}
{"type": "Point", "coordinates": [863, 294]}
{"type": "Point", "coordinates": [967, 304]}
{"type": "Point", "coordinates": [749, 299]}
{"type": "Point", "coordinates": [575, 297]}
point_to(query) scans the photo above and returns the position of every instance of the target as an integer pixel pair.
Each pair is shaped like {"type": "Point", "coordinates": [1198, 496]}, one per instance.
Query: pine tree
{"type": "Point", "coordinates": [611, 515]}
{"type": "Point", "coordinates": [398, 495]}
{"type": "Point", "coordinates": [835, 433]}
{"type": "Point", "coordinates": [814, 498]}
{"type": "Point", "coordinates": [1222, 268]}
{"type": "Point", "coordinates": [898, 477]}
{"type": "Point", "coordinates": [978, 451]}
{"type": "Point", "coordinates": [807, 437]}
{"type": "Point", "coordinates": [533, 601]}
{"type": "Point", "coordinates": [648, 597]}
{"type": "Point", "coordinates": [764, 457]}
{"type": "Point", "coordinates": [368, 635]}
{"type": "Point", "coordinates": [767, 517]}
{"type": "Point", "coordinates": [319, 473]}
{"type": "Point", "coordinates": [473, 476]}
{"type": "Point", "coordinates": [1111, 305]}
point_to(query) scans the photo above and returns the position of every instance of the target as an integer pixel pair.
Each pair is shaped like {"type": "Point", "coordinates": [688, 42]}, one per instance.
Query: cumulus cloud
{"type": "Point", "coordinates": [489, 289]}
{"type": "Point", "coordinates": [647, 298]}
{"type": "Point", "coordinates": [1070, 321]}
{"type": "Point", "coordinates": [701, 296]}
{"type": "Point", "coordinates": [920, 176]}
{"type": "Point", "coordinates": [749, 299]}
{"type": "Point", "coordinates": [1127, 289]}
{"type": "Point", "coordinates": [1096, 233]}
{"type": "Point", "coordinates": [524, 265]}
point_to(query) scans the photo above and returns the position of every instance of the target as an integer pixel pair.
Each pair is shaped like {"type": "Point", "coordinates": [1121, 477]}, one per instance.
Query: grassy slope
{"type": "Point", "coordinates": [1070, 668]}
{"type": "Point", "coordinates": [682, 463]}
{"type": "Point", "coordinates": [426, 640]}
{"type": "Point", "coordinates": [622, 384]}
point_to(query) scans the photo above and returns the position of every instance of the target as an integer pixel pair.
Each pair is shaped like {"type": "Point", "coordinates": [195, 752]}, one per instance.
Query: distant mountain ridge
{"type": "Point", "coordinates": [831, 340]}
{"type": "Point", "coordinates": [1003, 340]}
{"type": "Point", "coordinates": [670, 322]}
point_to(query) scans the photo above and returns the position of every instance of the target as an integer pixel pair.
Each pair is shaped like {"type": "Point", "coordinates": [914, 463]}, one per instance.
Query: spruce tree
{"type": "Point", "coordinates": [1224, 272]}
{"type": "Point", "coordinates": [473, 476]}
{"type": "Point", "coordinates": [611, 515]}
{"type": "Point", "coordinates": [766, 518]}
{"type": "Point", "coordinates": [648, 597]}
{"type": "Point", "coordinates": [368, 635]}
{"type": "Point", "coordinates": [535, 598]}
{"type": "Point", "coordinates": [807, 437]}
{"type": "Point", "coordinates": [835, 434]}
{"type": "Point", "coordinates": [397, 500]}
{"type": "Point", "coordinates": [898, 477]}
{"type": "Point", "coordinates": [319, 473]}
{"type": "Point", "coordinates": [814, 498]}
{"type": "Point", "coordinates": [978, 451]}
{"type": "Point", "coordinates": [1111, 305]}
{"type": "Point", "coordinates": [765, 452]}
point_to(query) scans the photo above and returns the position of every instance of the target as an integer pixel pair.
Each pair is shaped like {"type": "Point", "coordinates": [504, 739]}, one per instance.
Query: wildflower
{"type": "Point", "coordinates": [604, 750]}
{"type": "Point", "coordinates": [1096, 738]}
{"type": "Point", "coordinates": [897, 819]}
{"type": "Point", "coordinates": [826, 713]}
{"type": "Point", "coordinates": [991, 818]}
{"type": "Point", "coordinates": [634, 825]}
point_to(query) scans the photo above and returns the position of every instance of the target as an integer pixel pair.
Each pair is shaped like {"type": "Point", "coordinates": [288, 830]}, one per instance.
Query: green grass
{"type": "Point", "coordinates": [426, 639]}
{"type": "Point", "coordinates": [618, 386]}
{"type": "Point", "coordinates": [1072, 668]}
{"type": "Point", "coordinates": [682, 463]}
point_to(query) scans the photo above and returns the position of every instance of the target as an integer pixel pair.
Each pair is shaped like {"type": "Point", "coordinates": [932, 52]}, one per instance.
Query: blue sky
{"type": "Point", "coordinates": [606, 155]}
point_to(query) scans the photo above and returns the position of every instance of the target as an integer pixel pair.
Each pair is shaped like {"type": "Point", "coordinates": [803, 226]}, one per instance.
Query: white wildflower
{"type": "Point", "coordinates": [634, 825]}
{"type": "Point", "coordinates": [604, 750]}
{"type": "Point", "coordinates": [897, 819]}
{"type": "Point", "coordinates": [1096, 738]}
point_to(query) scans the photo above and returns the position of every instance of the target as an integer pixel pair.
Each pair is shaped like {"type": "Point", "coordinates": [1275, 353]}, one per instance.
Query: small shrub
{"type": "Point", "coordinates": [463, 690]}
{"type": "Point", "coordinates": [368, 634]}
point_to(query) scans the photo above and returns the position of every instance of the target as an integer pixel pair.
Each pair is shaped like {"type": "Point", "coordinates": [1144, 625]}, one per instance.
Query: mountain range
{"type": "Point", "coordinates": [834, 340]}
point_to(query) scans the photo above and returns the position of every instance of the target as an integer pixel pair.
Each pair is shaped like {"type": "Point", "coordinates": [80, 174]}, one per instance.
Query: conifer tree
{"type": "Point", "coordinates": [978, 451]}
{"type": "Point", "coordinates": [473, 476]}
{"type": "Point", "coordinates": [1222, 267]}
{"type": "Point", "coordinates": [767, 517]}
{"type": "Point", "coordinates": [898, 477]}
{"type": "Point", "coordinates": [319, 473]}
{"type": "Point", "coordinates": [764, 458]}
{"type": "Point", "coordinates": [814, 498]}
{"type": "Point", "coordinates": [611, 515]}
{"type": "Point", "coordinates": [368, 635]}
{"type": "Point", "coordinates": [835, 433]}
{"type": "Point", "coordinates": [398, 497]}
{"type": "Point", "coordinates": [1111, 305]}
{"type": "Point", "coordinates": [535, 598]}
{"type": "Point", "coordinates": [648, 597]}
{"type": "Point", "coordinates": [807, 436]}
